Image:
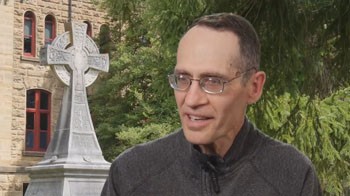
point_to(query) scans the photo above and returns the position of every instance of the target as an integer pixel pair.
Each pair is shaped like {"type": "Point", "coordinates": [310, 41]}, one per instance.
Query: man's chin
{"type": "Point", "coordinates": [196, 138]}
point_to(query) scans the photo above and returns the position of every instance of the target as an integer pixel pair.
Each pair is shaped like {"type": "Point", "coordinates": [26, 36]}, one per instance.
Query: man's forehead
{"type": "Point", "coordinates": [205, 30]}
{"type": "Point", "coordinates": [208, 41]}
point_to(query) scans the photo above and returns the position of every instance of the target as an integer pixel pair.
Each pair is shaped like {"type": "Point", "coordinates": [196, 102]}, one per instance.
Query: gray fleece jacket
{"type": "Point", "coordinates": [255, 165]}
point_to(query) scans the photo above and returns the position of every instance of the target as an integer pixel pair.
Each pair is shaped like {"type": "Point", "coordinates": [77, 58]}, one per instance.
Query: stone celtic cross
{"type": "Point", "coordinates": [76, 60]}
{"type": "Point", "coordinates": [73, 163]}
{"type": "Point", "coordinates": [77, 50]}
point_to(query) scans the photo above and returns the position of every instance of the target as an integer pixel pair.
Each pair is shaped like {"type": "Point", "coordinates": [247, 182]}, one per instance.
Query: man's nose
{"type": "Point", "coordinates": [195, 95]}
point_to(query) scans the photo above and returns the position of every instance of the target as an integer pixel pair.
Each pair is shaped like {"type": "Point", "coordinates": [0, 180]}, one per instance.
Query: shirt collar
{"type": "Point", "coordinates": [241, 147]}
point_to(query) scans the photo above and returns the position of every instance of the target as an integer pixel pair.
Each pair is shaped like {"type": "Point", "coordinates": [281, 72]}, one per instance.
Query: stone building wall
{"type": "Point", "coordinates": [19, 73]}
{"type": "Point", "coordinates": [6, 68]}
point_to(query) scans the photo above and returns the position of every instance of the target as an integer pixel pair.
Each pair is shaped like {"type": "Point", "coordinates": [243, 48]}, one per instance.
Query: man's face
{"type": "Point", "coordinates": [210, 119]}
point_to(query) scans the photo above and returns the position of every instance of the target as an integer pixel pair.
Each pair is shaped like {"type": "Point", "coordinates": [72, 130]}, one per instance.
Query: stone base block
{"type": "Point", "coordinates": [67, 180]}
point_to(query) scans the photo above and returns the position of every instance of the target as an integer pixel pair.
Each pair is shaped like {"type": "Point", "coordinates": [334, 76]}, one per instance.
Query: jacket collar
{"type": "Point", "coordinates": [243, 146]}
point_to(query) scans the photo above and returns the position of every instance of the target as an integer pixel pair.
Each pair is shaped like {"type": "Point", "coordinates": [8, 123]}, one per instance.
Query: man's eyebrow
{"type": "Point", "coordinates": [180, 71]}
{"type": "Point", "coordinates": [213, 74]}
{"type": "Point", "coordinates": [204, 74]}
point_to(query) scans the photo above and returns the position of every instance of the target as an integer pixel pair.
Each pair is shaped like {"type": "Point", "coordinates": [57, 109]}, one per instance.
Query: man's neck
{"type": "Point", "coordinates": [216, 149]}
{"type": "Point", "coordinates": [221, 146]}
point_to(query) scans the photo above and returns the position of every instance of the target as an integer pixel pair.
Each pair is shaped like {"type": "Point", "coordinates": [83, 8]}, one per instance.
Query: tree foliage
{"type": "Point", "coordinates": [319, 128]}
{"type": "Point", "coordinates": [305, 47]}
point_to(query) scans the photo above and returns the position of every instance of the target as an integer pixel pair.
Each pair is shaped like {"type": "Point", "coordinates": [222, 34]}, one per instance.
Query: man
{"type": "Point", "coordinates": [217, 151]}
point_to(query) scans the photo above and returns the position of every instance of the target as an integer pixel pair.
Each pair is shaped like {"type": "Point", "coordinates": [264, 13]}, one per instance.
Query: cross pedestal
{"type": "Point", "coordinates": [73, 163]}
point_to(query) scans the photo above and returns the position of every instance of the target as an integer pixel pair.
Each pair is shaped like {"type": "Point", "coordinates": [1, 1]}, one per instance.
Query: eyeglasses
{"type": "Point", "coordinates": [210, 85]}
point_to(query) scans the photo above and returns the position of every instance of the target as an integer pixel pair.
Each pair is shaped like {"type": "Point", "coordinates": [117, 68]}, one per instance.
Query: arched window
{"type": "Point", "coordinates": [50, 29]}
{"type": "Point", "coordinates": [89, 28]}
{"type": "Point", "coordinates": [37, 120]}
{"type": "Point", "coordinates": [29, 34]}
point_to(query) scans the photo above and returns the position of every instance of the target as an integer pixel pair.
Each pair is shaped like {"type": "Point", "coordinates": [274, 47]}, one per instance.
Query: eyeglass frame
{"type": "Point", "coordinates": [172, 77]}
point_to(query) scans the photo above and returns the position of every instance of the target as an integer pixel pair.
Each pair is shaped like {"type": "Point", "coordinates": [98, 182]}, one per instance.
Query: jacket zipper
{"type": "Point", "coordinates": [213, 177]}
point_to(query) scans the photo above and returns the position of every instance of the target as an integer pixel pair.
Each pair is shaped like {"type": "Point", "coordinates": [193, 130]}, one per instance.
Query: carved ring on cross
{"type": "Point", "coordinates": [62, 71]}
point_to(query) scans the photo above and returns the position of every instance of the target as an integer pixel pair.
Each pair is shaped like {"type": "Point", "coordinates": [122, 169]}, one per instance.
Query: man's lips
{"type": "Point", "coordinates": [196, 122]}
{"type": "Point", "coordinates": [194, 117]}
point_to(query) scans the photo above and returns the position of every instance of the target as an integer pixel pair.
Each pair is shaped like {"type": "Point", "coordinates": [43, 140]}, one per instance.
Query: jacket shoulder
{"type": "Point", "coordinates": [159, 150]}
{"type": "Point", "coordinates": [139, 163]}
{"type": "Point", "coordinates": [283, 166]}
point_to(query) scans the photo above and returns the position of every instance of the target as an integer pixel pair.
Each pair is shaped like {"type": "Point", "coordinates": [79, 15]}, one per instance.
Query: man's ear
{"type": "Point", "coordinates": [256, 84]}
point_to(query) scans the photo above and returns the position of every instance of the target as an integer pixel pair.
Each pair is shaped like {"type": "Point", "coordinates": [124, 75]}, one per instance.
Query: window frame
{"type": "Point", "coordinates": [29, 16]}
{"type": "Point", "coordinates": [36, 130]}
{"type": "Point", "coordinates": [89, 28]}
{"type": "Point", "coordinates": [50, 19]}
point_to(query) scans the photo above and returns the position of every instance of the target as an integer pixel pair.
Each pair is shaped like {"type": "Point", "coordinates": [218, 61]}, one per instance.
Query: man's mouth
{"type": "Point", "coordinates": [195, 118]}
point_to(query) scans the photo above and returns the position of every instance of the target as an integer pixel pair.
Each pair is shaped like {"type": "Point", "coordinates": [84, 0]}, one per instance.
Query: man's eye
{"type": "Point", "coordinates": [213, 81]}
{"type": "Point", "coordinates": [181, 78]}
